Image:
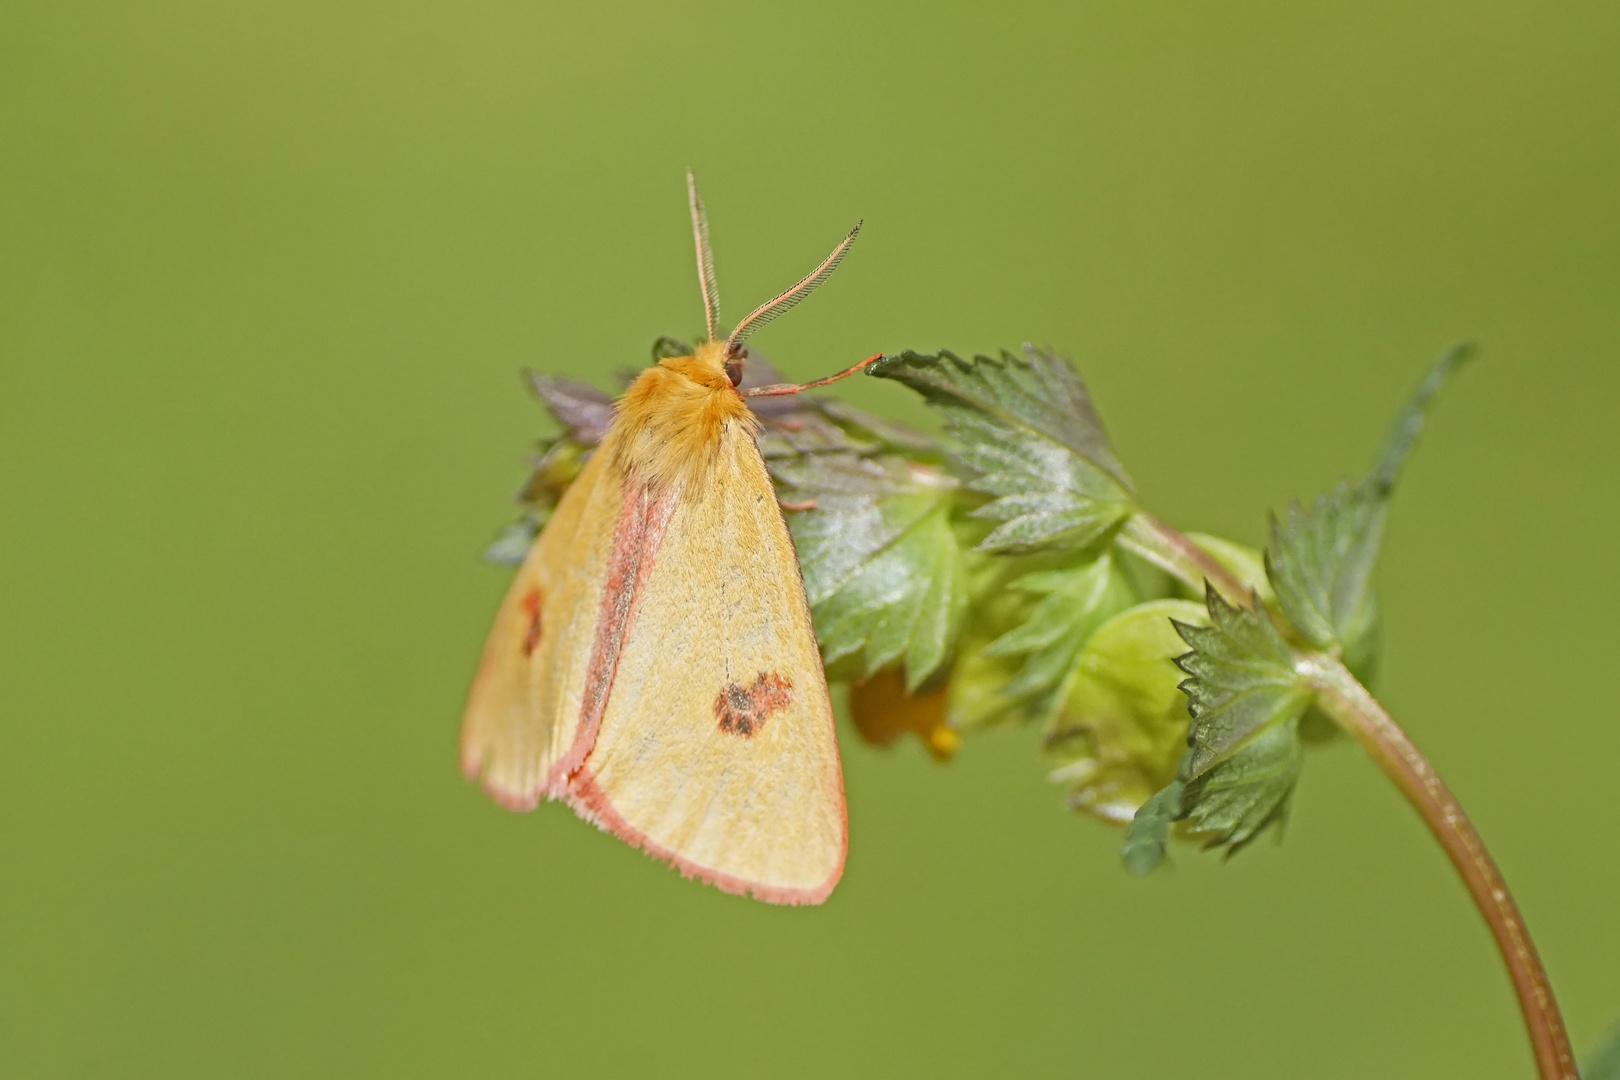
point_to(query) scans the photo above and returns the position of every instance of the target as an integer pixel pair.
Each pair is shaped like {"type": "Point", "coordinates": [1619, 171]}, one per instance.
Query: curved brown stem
{"type": "Point", "coordinates": [1360, 714]}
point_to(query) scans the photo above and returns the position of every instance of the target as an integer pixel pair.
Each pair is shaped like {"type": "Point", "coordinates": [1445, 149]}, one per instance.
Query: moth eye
{"type": "Point", "coordinates": [734, 371]}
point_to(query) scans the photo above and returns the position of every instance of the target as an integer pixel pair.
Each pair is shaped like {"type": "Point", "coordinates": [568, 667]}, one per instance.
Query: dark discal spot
{"type": "Point", "coordinates": [743, 710]}
{"type": "Point", "coordinates": [531, 608]}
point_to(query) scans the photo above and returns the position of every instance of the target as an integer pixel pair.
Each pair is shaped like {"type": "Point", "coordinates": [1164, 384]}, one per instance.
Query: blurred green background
{"type": "Point", "coordinates": [268, 273]}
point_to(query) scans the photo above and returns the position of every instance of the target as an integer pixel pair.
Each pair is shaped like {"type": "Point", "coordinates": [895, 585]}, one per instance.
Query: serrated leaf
{"type": "Point", "coordinates": [1241, 680]}
{"type": "Point", "coordinates": [584, 411]}
{"type": "Point", "coordinates": [1243, 748]}
{"type": "Point", "coordinates": [1236, 799]}
{"type": "Point", "coordinates": [1122, 728]}
{"type": "Point", "coordinates": [1074, 601]}
{"type": "Point", "coordinates": [1031, 438]}
{"type": "Point", "coordinates": [882, 568]}
{"type": "Point", "coordinates": [1320, 559]}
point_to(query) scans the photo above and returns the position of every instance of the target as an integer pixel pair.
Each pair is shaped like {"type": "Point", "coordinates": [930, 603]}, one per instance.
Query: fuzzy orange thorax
{"type": "Point", "coordinates": [671, 419]}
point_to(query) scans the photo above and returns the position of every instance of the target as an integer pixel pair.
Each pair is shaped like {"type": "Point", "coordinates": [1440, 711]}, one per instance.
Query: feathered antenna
{"type": "Point", "coordinates": [774, 307]}
{"type": "Point", "coordinates": [705, 257]}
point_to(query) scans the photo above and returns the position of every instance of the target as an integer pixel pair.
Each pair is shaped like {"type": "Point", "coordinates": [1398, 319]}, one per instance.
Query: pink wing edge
{"type": "Point", "coordinates": [643, 518]}
{"type": "Point", "coordinates": [591, 803]}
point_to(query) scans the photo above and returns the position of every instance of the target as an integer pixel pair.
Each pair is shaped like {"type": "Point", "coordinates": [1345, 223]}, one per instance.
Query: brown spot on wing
{"type": "Point", "coordinates": [743, 710]}
{"type": "Point", "coordinates": [531, 608]}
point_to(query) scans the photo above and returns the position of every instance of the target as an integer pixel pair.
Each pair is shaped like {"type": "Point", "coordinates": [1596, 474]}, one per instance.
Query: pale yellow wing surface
{"type": "Point", "coordinates": [524, 707]}
{"type": "Point", "coordinates": [716, 750]}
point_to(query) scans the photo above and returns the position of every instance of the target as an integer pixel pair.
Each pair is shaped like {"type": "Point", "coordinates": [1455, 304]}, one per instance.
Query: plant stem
{"type": "Point", "coordinates": [1152, 540]}
{"type": "Point", "coordinates": [1359, 713]}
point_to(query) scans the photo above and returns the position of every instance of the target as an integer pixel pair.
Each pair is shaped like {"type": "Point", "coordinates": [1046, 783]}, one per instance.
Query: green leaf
{"type": "Point", "coordinates": [1243, 749]}
{"type": "Point", "coordinates": [1403, 434]}
{"type": "Point", "coordinates": [806, 431]}
{"type": "Point", "coordinates": [892, 434]}
{"type": "Point", "coordinates": [511, 547]}
{"type": "Point", "coordinates": [1122, 729]}
{"type": "Point", "coordinates": [551, 474]}
{"type": "Point", "coordinates": [882, 569]}
{"type": "Point", "coordinates": [1233, 802]}
{"type": "Point", "coordinates": [1074, 601]}
{"type": "Point", "coordinates": [1031, 439]}
{"type": "Point", "coordinates": [1320, 559]}
{"type": "Point", "coordinates": [1603, 1063]}
{"type": "Point", "coordinates": [584, 411]}
{"type": "Point", "coordinates": [1148, 834]}
{"type": "Point", "coordinates": [1241, 680]}
{"type": "Point", "coordinates": [975, 696]}
{"type": "Point", "coordinates": [665, 347]}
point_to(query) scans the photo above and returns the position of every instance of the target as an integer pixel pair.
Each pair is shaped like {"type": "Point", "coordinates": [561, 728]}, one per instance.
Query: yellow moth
{"type": "Point", "coordinates": [653, 664]}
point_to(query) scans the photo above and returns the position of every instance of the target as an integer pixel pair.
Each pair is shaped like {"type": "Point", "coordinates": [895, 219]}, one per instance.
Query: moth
{"type": "Point", "coordinates": [653, 664]}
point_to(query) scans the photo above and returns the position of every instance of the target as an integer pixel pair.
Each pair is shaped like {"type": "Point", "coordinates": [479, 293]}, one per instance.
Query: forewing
{"type": "Point", "coordinates": [716, 750]}
{"type": "Point", "coordinates": [523, 711]}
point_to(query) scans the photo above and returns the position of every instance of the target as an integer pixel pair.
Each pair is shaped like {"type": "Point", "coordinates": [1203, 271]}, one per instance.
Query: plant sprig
{"type": "Point", "coordinates": [1009, 573]}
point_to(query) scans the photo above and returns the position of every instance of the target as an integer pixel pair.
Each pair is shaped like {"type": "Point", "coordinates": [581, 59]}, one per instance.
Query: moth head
{"type": "Point", "coordinates": [735, 352]}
